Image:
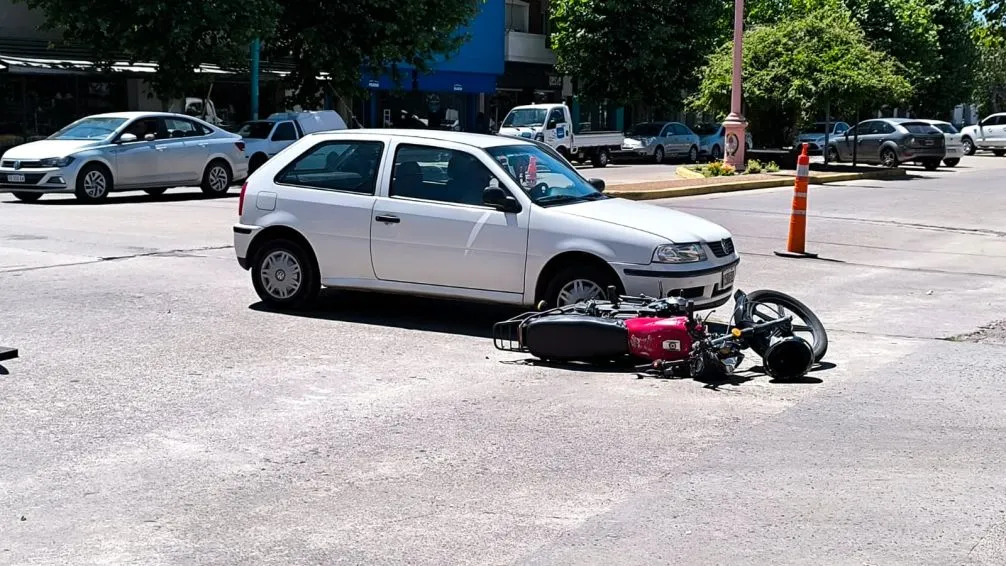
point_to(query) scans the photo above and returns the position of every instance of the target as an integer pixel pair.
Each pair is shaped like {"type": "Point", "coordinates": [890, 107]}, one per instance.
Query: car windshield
{"type": "Point", "coordinates": [706, 129]}
{"type": "Point", "coordinates": [546, 178]}
{"type": "Point", "coordinates": [919, 128]}
{"type": "Point", "coordinates": [255, 130]}
{"type": "Point", "coordinates": [524, 117]}
{"type": "Point", "coordinates": [946, 128]}
{"type": "Point", "coordinates": [89, 129]}
{"type": "Point", "coordinates": [647, 129]}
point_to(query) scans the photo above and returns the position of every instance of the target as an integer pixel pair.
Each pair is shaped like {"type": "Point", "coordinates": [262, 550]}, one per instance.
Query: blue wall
{"type": "Point", "coordinates": [473, 69]}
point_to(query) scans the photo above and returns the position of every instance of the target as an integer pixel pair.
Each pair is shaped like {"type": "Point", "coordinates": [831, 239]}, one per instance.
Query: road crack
{"type": "Point", "coordinates": [180, 252]}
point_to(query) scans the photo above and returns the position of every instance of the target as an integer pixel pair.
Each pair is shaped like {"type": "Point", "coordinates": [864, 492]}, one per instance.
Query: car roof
{"type": "Point", "coordinates": [139, 114]}
{"type": "Point", "coordinates": [475, 140]}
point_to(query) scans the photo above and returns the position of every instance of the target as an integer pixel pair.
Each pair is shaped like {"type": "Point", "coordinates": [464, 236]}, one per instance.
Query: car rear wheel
{"type": "Point", "coordinates": [693, 154]}
{"type": "Point", "coordinates": [93, 183]}
{"type": "Point", "coordinates": [888, 158]}
{"type": "Point", "coordinates": [284, 276]}
{"type": "Point", "coordinates": [952, 162]}
{"type": "Point", "coordinates": [999, 152]}
{"type": "Point", "coordinates": [216, 179]}
{"type": "Point", "coordinates": [600, 158]}
{"type": "Point", "coordinates": [27, 197]}
{"type": "Point", "coordinates": [716, 153]}
{"type": "Point", "coordinates": [931, 164]}
{"type": "Point", "coordinates": [257, 161]}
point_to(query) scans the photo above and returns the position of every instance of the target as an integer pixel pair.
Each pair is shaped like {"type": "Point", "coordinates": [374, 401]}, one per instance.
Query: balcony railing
{"type": "Point", "coordinates": [528, 48]}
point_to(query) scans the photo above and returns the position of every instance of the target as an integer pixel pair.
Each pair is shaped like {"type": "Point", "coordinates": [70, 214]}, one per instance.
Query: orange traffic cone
{"type": "Point", "coordinates": [798, 216]}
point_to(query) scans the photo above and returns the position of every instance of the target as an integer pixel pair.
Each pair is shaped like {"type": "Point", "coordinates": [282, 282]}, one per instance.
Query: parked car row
{"type": "Point", "coordinates": [659, 141]}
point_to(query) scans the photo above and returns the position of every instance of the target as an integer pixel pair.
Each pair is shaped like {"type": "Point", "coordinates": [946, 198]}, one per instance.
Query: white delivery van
{"type": "Point", "coordinates": [265, 138]}
{"type": "Point", "coordinates": [553, 124]}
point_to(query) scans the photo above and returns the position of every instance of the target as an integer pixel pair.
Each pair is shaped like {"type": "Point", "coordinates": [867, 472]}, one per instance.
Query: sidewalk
{"type": "Point", "coordinates": [682, 187]}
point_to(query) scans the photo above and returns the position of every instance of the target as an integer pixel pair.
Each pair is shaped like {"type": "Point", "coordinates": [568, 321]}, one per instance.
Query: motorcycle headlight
{"type": "Point", "coordinates": [56, 161]}
{"type": "Point", "coordinates": [679, 253]}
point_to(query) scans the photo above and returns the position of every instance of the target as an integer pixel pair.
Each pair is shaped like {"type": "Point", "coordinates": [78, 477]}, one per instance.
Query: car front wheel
{"type": "Point", "coordinates": [284, 276]}
{"type": "Point", "coordinates": [578, 284]}
{"type": "Point", "coordinates": [969, 146]}
{"type": "Point", "coordinates": [952, 162]}
{"type": "Point", "coordinates": [93, 183]}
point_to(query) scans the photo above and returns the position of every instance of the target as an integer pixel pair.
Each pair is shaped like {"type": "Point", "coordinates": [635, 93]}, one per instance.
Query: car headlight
{"type": "Point", "coordinates": [679, 253]}
{"type": "Point", "coordinates": [56, 161]}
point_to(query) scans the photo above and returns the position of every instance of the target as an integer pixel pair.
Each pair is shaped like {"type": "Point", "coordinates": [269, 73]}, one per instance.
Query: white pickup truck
{"type": "Point", "coordinates": [553, 124]}
{"type": "Point", "coordinates": [265, 138]}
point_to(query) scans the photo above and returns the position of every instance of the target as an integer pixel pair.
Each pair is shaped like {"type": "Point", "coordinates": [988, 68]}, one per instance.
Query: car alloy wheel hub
{"type": "Point", "coordinates": [280, 274]}
{"type": "Point", "coordinates": [578, 291]}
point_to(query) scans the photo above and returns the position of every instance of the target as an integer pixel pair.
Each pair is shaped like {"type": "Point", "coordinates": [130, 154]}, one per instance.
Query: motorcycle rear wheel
{"type": "Point", "coordinates": [773, 300]}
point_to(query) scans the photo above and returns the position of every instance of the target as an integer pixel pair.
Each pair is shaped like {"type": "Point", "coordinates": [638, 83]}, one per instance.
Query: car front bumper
{"type": "Point", "coordinates": [38, 180]}
{"type": "Point", "coordinates": [709, 286]}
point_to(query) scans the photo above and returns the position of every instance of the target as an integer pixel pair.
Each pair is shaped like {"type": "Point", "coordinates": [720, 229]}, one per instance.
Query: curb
{"type": "Point", "coordinates": [728, 187]}
{"type": "Point", "coordinates": [686, 173]}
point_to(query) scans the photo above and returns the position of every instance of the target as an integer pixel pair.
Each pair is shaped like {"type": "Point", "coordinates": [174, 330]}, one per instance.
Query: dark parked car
{"type": "Point", "coordinates": [890, 142]}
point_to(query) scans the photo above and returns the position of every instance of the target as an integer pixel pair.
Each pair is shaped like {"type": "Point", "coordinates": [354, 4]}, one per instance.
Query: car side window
{"type": "Point", "coordinates": [438, 174]}
{"type": "Point", "coordinates": [336, 165]}
{"type": "Point", "coordinates": [555, 116]}
{"type": "Point", "coordinates": [284, 132]}
{"type": "Point", "coordinates": [140, 128]}
{"type": "Point", "coordinates": [178, 128]}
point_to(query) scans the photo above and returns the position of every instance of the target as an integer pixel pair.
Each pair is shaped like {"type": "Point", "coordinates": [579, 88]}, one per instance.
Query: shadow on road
{"type": "Point", "coordinates": [123, 198]}
{"type": "Point", "coordinates": [711, 381]}
{"type": "Point", "coordinates": [399, 311]}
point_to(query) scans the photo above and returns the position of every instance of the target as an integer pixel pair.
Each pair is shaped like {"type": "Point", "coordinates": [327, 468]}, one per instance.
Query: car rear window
{"type": "Point", "coordinates": [920, 128]}
{"type": "Point", "coordinates": [947, 128]}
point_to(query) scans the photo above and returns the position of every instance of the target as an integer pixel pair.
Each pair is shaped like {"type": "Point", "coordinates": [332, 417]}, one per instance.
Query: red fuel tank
{"type": "Point", "coordinates": [660, 338]}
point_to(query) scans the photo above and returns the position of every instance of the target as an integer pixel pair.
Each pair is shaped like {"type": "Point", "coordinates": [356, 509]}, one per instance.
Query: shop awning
{"type": "Point", "coordinates": [53, 66]}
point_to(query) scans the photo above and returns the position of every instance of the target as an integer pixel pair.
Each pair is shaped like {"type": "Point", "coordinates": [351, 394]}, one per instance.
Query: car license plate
{"type": "Point", "coordinates": [15, 178]}
{"type": "Point", "coordinates": [728, 278]}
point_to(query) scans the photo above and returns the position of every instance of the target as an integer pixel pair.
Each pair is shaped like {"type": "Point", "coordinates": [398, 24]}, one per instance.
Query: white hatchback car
{"type": "Point", "coordinates": [121, 151]}
{"type": "Point", "coordinates": [462, 216]}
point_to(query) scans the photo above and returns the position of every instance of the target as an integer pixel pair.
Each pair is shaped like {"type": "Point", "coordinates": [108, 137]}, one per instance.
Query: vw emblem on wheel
{"type": "Point", "coordinates": [17, 165]}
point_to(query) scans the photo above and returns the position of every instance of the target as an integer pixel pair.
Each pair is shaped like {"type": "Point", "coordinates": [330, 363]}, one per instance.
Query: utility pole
{"type": "Point", "coordinates": [735, 124]}
{"type": "Point", "coordinates": [256, 47]}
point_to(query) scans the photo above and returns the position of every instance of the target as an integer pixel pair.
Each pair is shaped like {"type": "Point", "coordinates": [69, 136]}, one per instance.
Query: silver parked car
{"type": "Point", "coordinates": [660, 140]}
{"type": "Point", "coordinates": [890, 142]}
{"type": "Point", "coordinates": [150, 151]}
{"type": "Point", "coordinates": [814, 135]}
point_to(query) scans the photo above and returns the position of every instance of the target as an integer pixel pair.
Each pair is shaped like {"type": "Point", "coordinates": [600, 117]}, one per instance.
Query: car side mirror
{"type": "Point", "coordinates": [496, 197]}
{"type": "Point", "coordinates": [149, 137]}
{"type": "Point", "coordinates": [597, 184]}
{"type": "Point", "coordinates": [551, 124]}
{"type": "Point", "coordinates": [127, 138]}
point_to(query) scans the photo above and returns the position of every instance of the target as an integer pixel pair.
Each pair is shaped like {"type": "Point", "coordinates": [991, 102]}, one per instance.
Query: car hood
{"type": "Point", "coordinates": [675, 226]}
{"type": "Point", "coordinates": [522, 132]}
{"type": "Point", "coordinates": [812, 137]}
{"type": "Point", "coordinates": [44, 149]}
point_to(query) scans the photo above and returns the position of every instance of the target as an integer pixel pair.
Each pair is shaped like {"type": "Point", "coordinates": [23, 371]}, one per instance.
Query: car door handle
{"type": "Point", "coordinates": [204, 144]}
{"type": "Point", "coordinates": [159, 147]}
{"type": "Point", "coordinates": [388, 219]}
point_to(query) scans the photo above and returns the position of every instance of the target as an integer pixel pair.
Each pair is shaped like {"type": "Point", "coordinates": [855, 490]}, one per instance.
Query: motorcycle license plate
{"type": "Point", "coordinates": [15, 178]}
{"type": "Point", "coordinates": [728, 278]}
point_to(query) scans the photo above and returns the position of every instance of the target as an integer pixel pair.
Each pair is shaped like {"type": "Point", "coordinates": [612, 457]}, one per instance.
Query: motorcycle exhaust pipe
{"type": "Point", "coordinates": [788, 357]}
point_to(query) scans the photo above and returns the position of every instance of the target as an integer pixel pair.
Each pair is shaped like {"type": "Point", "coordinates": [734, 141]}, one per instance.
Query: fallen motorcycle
{"type": "Point", "coordinates": [666, 333]}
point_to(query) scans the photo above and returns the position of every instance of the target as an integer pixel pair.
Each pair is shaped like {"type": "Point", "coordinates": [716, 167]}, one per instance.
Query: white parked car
{"type": "Point", "coordinates": [988, 134]}
{"type": "Point", "coordinates": [122, 151]}
{"type": "Point", "coordinates": [265, 138]}
{"type": "Point", "coordinates": [954, 141]}
{"type": "Point", "coordinates": [464, 216]}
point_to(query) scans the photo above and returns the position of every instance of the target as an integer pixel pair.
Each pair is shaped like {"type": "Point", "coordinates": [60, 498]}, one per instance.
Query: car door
{"type": "Point", "coordinates": [845, 143]}
{"type": "Point", "coordinates": [666, 138]}
{"type": "Point", "coordinates": [185, 151]}
{"type": "Point", "coordinates": [138, 163]}
{"type": "Point", "coordinates": [329, 192]}
{"type": "Point", "coordinates": [997, 133]}
{"type": "Point", "coordinates": [282, 136]}
{"type": "Point", "coordinates": [432, 228]}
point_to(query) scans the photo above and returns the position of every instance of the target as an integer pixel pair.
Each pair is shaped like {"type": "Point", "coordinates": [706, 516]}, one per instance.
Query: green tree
{"type": "Point", "coordinates": [335, 39]}
{"type": "Point", "coordinates": [793, 69]}
{"type": "Point", "coordinates": [178, 35]}
{"type": "Point", "coordinates": [341, 38]}
{"type": "Point", "coordinates": [634, 51]}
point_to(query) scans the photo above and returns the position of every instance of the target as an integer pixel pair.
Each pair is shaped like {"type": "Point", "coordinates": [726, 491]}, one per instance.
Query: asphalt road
{"type": "Point", "coordinates": [159, 416]}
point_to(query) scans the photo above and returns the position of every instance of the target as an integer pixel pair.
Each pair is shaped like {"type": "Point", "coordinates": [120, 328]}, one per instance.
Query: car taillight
{"type": "Point", "coordinates": [241, 146]}
{"type": "Point", "coordinates": [241, 199]}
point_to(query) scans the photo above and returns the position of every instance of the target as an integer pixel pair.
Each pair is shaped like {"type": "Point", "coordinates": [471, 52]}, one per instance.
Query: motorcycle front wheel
{"type": "Point", "coordinates": [765, 305]}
